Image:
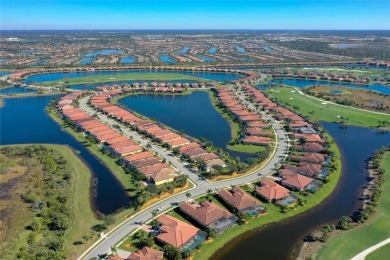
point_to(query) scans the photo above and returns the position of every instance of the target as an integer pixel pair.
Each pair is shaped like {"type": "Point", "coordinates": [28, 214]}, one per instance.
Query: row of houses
{"type": "Point", "coordinates": [256, 129]}
{"type": "Point", "coordinates": [306, 167]}
{"type": "Point", "coordinates": [207, 216]}
{"type": "Point", "coordinates": [173, 140]}
{"type": "Point", "coordinates": [328, 76]}
{"type": "Point", "coordinates": [131, 154]}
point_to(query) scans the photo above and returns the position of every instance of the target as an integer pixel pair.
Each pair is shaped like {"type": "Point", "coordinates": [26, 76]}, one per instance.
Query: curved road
{"type": "Point", "coordinates": [113, 237]}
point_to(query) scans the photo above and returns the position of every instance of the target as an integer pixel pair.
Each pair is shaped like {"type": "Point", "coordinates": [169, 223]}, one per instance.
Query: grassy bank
{"type": "Point", "coordinates": [352, 242]}
{"type": "Point", "coordinates": [290, 97]}
{"type": "Point", "coordinates": [121, 77]}
{"type": "Point", "coordinates": [274, 214]}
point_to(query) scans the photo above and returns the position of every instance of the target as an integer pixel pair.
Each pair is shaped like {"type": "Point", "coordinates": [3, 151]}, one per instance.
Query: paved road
{"type": "Point", "coordinates": [103, 245]}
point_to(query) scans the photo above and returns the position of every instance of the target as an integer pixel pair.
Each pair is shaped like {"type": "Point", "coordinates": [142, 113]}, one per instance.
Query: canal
{"type": "Point", "coordinates": [282, 240]}
{"type": "Point", "coordinates": [25, 121]}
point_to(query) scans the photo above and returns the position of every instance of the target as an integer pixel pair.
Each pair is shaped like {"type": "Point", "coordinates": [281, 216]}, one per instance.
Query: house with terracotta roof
{"type": "Point", "coordinates": [146, 253]}
{"type": "Point", "coordinates": [273, 192]}
{"type": "Point", "coordinates": [309, 169]}
{"type": "Point", "coordinates": [241, 201]}
{"type": "Point", "coordinates": [309, 147]}
{"type": "Point", "coordinates": [296, 181]}
{"type": "Point", "coordinates": [162, 176]}
{"type": "Point", "coordinates": [317, 158]}
{"type": "Point", "coordinates": [209, 215]}
{"type": "Point", "coordinates": [179, 234]}
{"type": "Point", "coordinates": [256, 140]}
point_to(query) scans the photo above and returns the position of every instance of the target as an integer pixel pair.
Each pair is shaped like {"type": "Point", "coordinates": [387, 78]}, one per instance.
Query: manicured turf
{"type": "Point", "coordinates": [350, 243]}
{"type": "Point", "coordinates": [122, 77]}
{"type": "Point", "coordinates": [274, 213]}
{"type": "Point", "coordinates": [325, 112]}
{"type": "Point", "coordinates": [380, 254]}
{"type": "Point", "coordinates": [246, 148]}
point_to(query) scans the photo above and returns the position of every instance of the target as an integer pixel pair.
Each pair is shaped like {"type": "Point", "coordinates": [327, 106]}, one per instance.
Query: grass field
{"type": "Point", "coordinates": [324, 112]}
{"type": "Point", "coordinates": [122, 77]}
{"type": "Point", "coordinates": [379, 254]}
{"type": "Point", "coordinates": [350, 243]}
{"type": "Point", "coordinates": [274, 213]}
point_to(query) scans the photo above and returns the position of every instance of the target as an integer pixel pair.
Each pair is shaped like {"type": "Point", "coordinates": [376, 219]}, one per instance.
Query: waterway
{"type": "Point", "coordinates": [103, 52]}
{"type": "Point", "coordinates": [24, 120]}
{"type": "Point", "coordinates": [282, 240]}
{"type": "Point", "coordinates": [192, 113]}
{"type": "Point", "coordinates": [128, 60]}
{"type": "Point", "coordinates": [300, 83]}
{"type": "Point", "coordinates": [239, 49]}
{"type": "Point", "coordinates": [166, 58]}
{"type": "Point", "coordinates": [205, 58]}
{"type": "Point", "coordinates": [212, 50]}
{"type": "Point", "coordinates": [184, 50]}
{"type": "Point", "coordinates": [218, 76]}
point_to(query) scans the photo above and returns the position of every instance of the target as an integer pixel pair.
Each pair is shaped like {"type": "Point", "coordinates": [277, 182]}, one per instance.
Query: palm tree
{"type": "Point", "coordinates": [114, 250]}
{"type": "Point", "coordinates": [188, 195]}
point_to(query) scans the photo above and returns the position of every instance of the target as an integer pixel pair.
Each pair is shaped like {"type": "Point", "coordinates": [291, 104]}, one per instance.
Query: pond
{"type": "Point", "coordinates": [103, 52]}
{"type": "Point", "coordinates": [212, 50]}
{"type": "Point", "coordinates": [205, 58]}
{"type": "Point", "coordinates": [128, 60]}
{"type": "Point", "coordinates": [239, 49]}
{"type": "Point", "coordinates": [184, 50]}
{"type": "Point", "coordinates": [281, 240]}
{"type": "Point", "coordinates": [167, 59]}
{"type": "Point", "coordinates": [192, 113]}
{"type": "Point", "coordinates": [25, 121]}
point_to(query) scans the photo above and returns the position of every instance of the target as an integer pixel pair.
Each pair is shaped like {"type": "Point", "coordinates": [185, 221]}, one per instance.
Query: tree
{"type": "Point", "coordinates": [114, 250]}
{"type": "Point", "coordinates": [146, 241]}
{"type": "Point", "coordinates": [209, 195]}
{"type": "Point", "coordinates": [171, 253]}
{"type": "Point", "coordinates": [188, 195]}
{"type": "Point", "coordinates": [344, 223]}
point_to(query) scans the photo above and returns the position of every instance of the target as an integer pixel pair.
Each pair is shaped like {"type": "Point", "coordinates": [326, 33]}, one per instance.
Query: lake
{"type": "Point", "coordinates": [279, 240]}
{"type": "Point", "coordinates": [128, 60]}
{"type": "Point", "coordinates": [25, 121]}
{"type": "Point", "coordinates": [218, 76]}
{"type": "Point", "coordinates": [212, 50]}
{"type": "Point", "coordinates": [205, 58]}
{"type": "Point", "coordinates": [192, 113]}
{"type": "Point", "coordinates": [167, 59]}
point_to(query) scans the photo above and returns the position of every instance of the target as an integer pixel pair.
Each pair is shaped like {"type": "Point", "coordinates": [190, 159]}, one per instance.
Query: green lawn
{"type": "Point", "coordinates": [380, 254]}
{"type": "Point", "coordinates": [350, 243]}
{"type": "Point", "coordinates": [325, 112]}
{"type": "Point", "coordinates": [122, 77]}
{"type": "Point", "coordinates": [246, 148]}
{"type": "Point", "coordinates": [274, 214]}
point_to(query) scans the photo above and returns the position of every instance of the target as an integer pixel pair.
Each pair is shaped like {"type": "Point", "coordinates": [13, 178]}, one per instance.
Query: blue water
{"type": "Point", "coordinates": [356, 144]}
{"type": "Point", "coordinates": [267, 49]}
{"type": "Point", "coordinates": [206, 59]}
{"type": "Point", "coordinates": [346, 46]}
{"type": "Point", "coordinates": [16, 90]}
{"type": "Point", "coordinates": [3, 73]}
{"type": "Point", "coordinates": [103, 52]}
{"type": "Point", "coordinates": [85, 61]}
{"type": "Point", "coordinates": [300, 83]}
{"type": "Point", "coordinates": [128, 60]}
{"type": "Point", "coordinates": [212, 50]}
{"type": "Point", "coordinates": [218, 76]}
{"type": "Point", "coordinates": [336, 91]}
{"type": "Point", "coordinates": [193, 113]}
{"type": "Point", "coordinates": [24, 121]}
{"type": "Point", "coordinates": [239, 49]}
{"type": "Point", "coordinates": [184, 50]}
{"type": "Point", "coordinates": [166, 59]}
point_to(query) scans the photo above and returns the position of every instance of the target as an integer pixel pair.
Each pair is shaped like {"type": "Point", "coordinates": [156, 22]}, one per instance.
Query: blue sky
{"type": "Point", "coordinates": [194, 14]}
